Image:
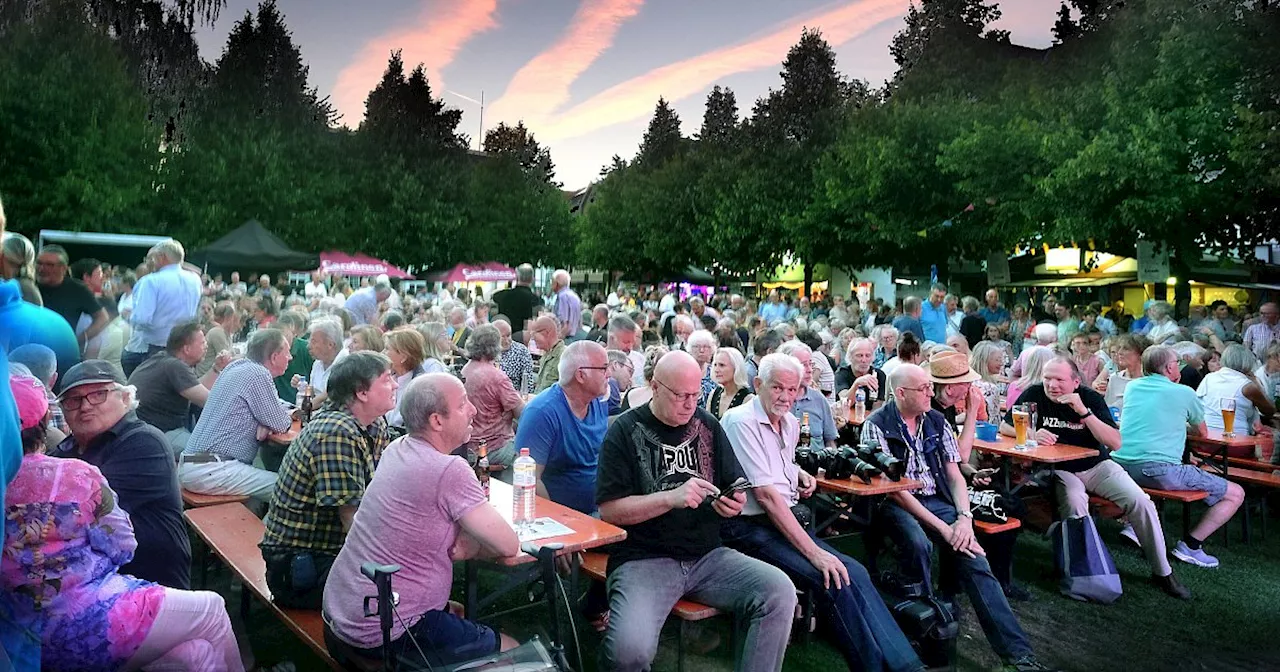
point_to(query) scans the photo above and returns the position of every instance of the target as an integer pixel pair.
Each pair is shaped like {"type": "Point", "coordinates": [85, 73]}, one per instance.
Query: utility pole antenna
{"type": "Point", "coordinates": [480, 141]}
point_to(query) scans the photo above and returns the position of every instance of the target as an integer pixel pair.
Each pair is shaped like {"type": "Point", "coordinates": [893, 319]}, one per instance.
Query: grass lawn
{"type": "Point", "coordinates": [1233, 624]}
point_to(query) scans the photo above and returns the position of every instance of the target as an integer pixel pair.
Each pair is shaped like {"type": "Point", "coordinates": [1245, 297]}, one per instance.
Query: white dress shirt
{"type": "Point", "coordinates": [161, 300]}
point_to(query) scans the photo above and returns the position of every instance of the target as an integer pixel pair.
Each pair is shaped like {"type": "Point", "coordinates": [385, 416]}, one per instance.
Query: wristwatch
{"type": "Point", "coordinates": [966, 513]}
{"type": "Point", "coordinates": [1086, 414]}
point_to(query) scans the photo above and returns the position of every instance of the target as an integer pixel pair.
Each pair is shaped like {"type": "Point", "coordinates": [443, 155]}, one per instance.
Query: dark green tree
{"type": "Point", "coordinates": [519, 144]}
{"type": "Point", "coordinates": [720, 120]}
{"type": "Point", "coordinates": [662, 140]}
{"type": "Point", "coordinates": [1065, 28]}
{"type": "Point", "coordinates": [401, 113]}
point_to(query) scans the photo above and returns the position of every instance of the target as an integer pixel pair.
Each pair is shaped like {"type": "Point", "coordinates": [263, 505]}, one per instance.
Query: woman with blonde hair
{"type": "Point", "coordinates": [18, 262]}
{"type": "Point", "coordinates": [1032, 372]}
{"type": "Point", "coordinates": [641, 394]}
{"type": "Point", "coordinates": [729, 372]}
{"type": "Point", "coordinates": [987, 359]}
{"type": "Point", "coordinates": [407, 353]}
{"type": "Point", "coordinates": [366, 338]}
{"type": "Point", "coordinates": [435, 343]}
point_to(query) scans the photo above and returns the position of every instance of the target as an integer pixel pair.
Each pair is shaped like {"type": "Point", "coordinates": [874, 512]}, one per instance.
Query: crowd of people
{"type": "Point", "coordinates": [642, 408]}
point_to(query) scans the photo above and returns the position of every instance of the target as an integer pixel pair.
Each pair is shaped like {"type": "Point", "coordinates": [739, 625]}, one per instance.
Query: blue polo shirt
{"type": "Point", "coordinates": [1153, 426]}
{"type": "Point", "coordinates": [567, 447]}
{"type": "Point", "coordinates": [996, 316]}
{"type": "Point", "coordinates": [822, 425]}
{"type": "Point", "coordinates": [934, 321]}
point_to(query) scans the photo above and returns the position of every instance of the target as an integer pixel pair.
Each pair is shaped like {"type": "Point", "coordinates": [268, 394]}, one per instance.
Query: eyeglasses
{"type": "Point", "coordinates": [594, 368]}
{"type": "Point", "coordinates": [94, 398]}
{"type": "Point", "coordinates": [683, 398]}
{"type": "Point", "coordinates": [923, 389]}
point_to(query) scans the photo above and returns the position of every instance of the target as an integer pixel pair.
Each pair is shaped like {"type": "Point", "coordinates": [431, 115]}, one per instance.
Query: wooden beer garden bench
{"type": "Point", "coordinates": [1109, 508]}
{"type": "Point", "coordinates": [233, 533]}
{"type": "Point", "coordinates": [594, 564]}
{"type": "Point", "coordinates": [195, 500]}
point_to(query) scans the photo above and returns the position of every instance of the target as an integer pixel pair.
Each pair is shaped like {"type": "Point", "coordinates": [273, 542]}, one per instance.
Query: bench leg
{"type": "Point", "coordinates": [1186, 520]}
{"type": "Point", "coordinates": [680, 646]}
{"type": "Point", "coordinates": [472, 590]}
{"type": "Point", "coordinates": [244, 604]}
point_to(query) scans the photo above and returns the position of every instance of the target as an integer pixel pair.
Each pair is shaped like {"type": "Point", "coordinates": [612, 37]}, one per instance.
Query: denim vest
{"type": "Point", "coordinates": [888, 420]}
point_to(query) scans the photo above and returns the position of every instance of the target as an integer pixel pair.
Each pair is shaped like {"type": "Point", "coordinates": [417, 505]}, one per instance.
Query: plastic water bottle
{"type": "Point", "coordinates": [860, 410]}
{"type": "Point", "coordinates": [302, 391]}
{"type": "Point", "coordinates": [524, 484]}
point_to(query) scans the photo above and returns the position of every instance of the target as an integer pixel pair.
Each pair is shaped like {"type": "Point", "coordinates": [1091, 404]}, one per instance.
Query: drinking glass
{"type": "Point", "coordinates": [1228, 418]}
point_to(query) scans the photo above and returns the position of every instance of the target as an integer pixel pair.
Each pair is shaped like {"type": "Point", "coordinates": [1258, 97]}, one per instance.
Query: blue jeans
{"type": "Point", "coordinates": [864, 629]}
{"type": "Point", "coordinates": [642, 593]}
{"type": "Point", "coordinates": [915, 551]}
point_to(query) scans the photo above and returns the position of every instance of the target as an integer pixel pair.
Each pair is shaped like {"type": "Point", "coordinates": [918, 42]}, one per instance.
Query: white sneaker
{"type": "Point", "coordinates": [1197, 557]}
{"type": "Point", "coordinates": [1129, 533]}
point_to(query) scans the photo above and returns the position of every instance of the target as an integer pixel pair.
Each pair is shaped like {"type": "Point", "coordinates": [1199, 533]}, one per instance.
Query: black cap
{"type": "Point", "coordinates": [88, 372]}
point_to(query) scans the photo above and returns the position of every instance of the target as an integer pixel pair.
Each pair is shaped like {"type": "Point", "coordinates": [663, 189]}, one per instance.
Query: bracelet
{"type": "Point", "coordinates": [966, 513]}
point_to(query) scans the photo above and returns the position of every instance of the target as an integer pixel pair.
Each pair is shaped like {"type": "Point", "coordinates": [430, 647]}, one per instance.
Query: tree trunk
{"type": "Point", "coordinates": [808, 278]}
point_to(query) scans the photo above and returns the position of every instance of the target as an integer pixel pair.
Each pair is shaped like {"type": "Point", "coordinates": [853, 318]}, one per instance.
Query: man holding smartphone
{"type": "Point", "coordinates": [659, 464]}
{"type": "Point", "coordinates": [764, 435]}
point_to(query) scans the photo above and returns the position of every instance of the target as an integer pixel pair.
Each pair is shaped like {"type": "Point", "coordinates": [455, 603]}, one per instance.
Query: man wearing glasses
{"type": "Point", "coordinates": [563, 426]}
{"type": "Point", "coordinates": [545, 332]}
{"type": "Point", "coordinates": [938, 512]}
{"type": "Point", "coordinates": [662, 468]}
{"type": "Point", "coordinates": [136, 460]}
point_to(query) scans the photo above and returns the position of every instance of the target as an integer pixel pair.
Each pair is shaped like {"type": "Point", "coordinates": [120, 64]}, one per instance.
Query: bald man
{"type": "Point", "coordinates": [662, 468]}
{"type": "Point", "coordinates": [937, 513]}
{"type": "Point", "coordinates": [545, 331]}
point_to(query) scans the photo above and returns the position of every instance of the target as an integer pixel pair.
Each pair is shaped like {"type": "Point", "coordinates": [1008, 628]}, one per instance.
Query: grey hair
{"type": "Point", "coordinates": [739, 365]}
{"type": "Point", "coordinates": [355, 373]}
{"type": "Point", "coordinates": [652, 355]}
{"type": "Point", "coordinates": [701, 336]}
{"type": "Point", "coordinates": [561, 276]}
{"type": "Point", "coordinates": [1156, 358]}
{"type": "Point", "coordinates": [910, 304]}
{"type": "Point", "coordinates": [855, 344]}
{"type": "Point", "coordinates": [484, 343]}
{"type": "Point", "coordinates": [264, 344]}
{"type": "Point", "coordinates": [1238, 358]}
{"type": "Point", "coordinates": [970, 304]}
{"type": "Point", "coordinates": [19, 250]}
{"type": "Point", "coordinates": [777, 362]}
{"type": "Point", "coordinates": [130, 394]}
{"type": "Point", "coordinates": [171, 249]}
{"type": "Point", "coordinates": [621, 324]}
{"type": "Point", "coordinates": [792, 347]}
{"type": "Point", "coordinates": [330, 327]}
{"type": "Point", "coordinates": [382, 286]}
{"type": "Point", "coordinates": [574, 358]}
{"type": "Point", "coordinates": [1046, 333]}
{"type": "Point", "coordinates": [683, 319]}
{"type": "Point", "coordinates": [1189, 350]}
{"type": "Point", "coordinates": [696, 300]}
{"type": "Point", "coordinates": [618, 357]}
{"type": "Point", "coordinates": [424, 398]}
{"type": "Point", "coordinates": [1160, 310]}
{"type": "Point", "coordinates": [524, 274]}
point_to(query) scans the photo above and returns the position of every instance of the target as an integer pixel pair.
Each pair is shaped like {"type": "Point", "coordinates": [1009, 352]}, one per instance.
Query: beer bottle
{"type": "Point", "coordinates": [308, 396]}
{"type": "Point", "coordinates": [482, 467]}
{"type": "Point", "coordinates": [806, 433]}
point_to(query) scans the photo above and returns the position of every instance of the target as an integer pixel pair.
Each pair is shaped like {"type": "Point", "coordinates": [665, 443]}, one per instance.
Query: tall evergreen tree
{"type": "Point", "coordinates": [662, 139]}
{"type": "Point", "coordinates": [1065, 28]}
{"type": "Point", "coordinates": [401, 113]}
{"type": "Point", "coordinates": [518, 143]}
{"type": "Point", "coordinates": [720, 120]}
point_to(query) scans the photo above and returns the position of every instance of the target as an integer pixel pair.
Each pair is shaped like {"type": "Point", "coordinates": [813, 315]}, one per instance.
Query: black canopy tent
{"type": "Point", "coordinates": [252, 248]}
{"type": "Point", "coordinates": [690, 274]}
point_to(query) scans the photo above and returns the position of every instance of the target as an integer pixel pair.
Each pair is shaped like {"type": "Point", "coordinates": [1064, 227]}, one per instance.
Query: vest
{"type": "Point", "coordinates": [888, 420]}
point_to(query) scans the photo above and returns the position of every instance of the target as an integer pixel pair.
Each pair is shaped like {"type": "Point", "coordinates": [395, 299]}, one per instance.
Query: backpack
{"type": "Point", "coordinates": [929, 623]}
{"type": "Point", "coordinates": [1082, 562]}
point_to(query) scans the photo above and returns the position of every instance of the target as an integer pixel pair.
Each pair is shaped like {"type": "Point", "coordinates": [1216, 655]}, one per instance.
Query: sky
{"type": "Point", "coordinates": [584, 75]}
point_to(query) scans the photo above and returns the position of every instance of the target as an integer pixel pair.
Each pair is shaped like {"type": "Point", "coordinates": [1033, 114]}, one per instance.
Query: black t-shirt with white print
{"type": "Point", "coordinates": [1067, 424]}
{"type": "Point", "coordinates": [640, 456]}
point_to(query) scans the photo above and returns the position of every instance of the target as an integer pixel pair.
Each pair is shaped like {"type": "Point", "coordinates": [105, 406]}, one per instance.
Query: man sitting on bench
{"type": "Point", "coordinates": [423, 510]}
{"type": "Point", "coordinates": [1157, 411]}
{"type": "Point", "coordinates": [1076, 415]}
{"type": "Point", "coordinates": [662, 468]}
{"type": "Point", "coordinates": [939, 510]}
{"type": "Point", "coordinates": [323, 476]}
{"type": "Point", "coordinates": [764, 435]}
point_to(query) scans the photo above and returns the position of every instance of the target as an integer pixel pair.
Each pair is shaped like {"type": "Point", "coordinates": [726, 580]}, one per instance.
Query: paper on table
{"type": "Point", "coordinates": [542, 528]}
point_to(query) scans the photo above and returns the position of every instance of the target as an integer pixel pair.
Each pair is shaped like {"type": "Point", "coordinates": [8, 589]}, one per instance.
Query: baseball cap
{"type": "Point", "coordinates": [28, 395]}
{"type": "Point", "coordinates": [88, 372]}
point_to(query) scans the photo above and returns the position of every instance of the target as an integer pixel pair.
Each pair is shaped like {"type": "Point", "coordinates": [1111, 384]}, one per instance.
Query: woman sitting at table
{"type": "Point", "coordinates": [68, 538]}
{"type": "Point", "coordinates": [1235, 382]}
{"type": "Point", "coordinates": [641, 394]}
{"type": "Point", "coordinates": [435, 344]}
{"type": "Point", "coordinates": [987, 360]}
{"type": "Point", "coordinates": [729, 372]}
{"type": "Point", "coordinates": [366, 338]}
{"type": "Point", "coordinates": [1033, 361]}
{"type": "Point", "coordinates": [405, 349]}
{"type": "Point", "coordinates": [497, 403]}
{"type": "Point", "coordinates": [1126, 354]}
{"type": "Point", "coordinates": [1090, 365]}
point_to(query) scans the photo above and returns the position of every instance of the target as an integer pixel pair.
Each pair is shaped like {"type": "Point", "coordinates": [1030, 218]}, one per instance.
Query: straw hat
{"type": "Point", "coordinates": [950, 367]}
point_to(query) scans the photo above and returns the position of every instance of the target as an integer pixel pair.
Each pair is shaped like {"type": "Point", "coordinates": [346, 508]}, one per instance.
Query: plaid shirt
{"type": "Point", "coordinates": [326, 467]}
{"type": "Point", "coordinates": [58, 418]}
{"type": "Point", "coordinates": [917, 468]}
{"type": "Point", "coordinates": [516, 362]}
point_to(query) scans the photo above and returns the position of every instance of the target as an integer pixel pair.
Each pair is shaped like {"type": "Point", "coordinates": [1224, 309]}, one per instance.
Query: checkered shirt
{"type": "Point", "coordinates": [516, 362]}
{"type": "Point", "coordinates": [917, 468]}
{"type": "Point", "coordinates": [326, 467]}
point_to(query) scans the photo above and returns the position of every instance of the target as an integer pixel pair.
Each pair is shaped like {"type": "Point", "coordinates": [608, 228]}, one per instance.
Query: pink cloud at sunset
{"type": "Point", "coordinates": [635, 97]}
{"type": "Point", "coordinates": [541, 86]}
{"type": "Point", "coordinates": [443, 27]}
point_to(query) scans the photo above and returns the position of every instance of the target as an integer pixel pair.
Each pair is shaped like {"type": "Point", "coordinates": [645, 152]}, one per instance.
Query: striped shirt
{"type": "Point", "coordinates": [242, 400]}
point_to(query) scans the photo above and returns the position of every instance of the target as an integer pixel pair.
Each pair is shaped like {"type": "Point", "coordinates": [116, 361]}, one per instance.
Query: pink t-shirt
{"type": "Point", "coordinates": [408, 517]}
{"type": "Point", "coordinates": [491, 392]}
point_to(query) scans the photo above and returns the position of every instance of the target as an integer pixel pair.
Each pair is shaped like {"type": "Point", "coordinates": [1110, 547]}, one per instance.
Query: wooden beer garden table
{"type": "Point", "coordinates": [1004, 447]}
{"type": "Point", "coordinates": [287, 436]}
{"type": "Point", "coordinates": [587, 533]}
{"type": "Point", "coordinates": [1218, 448]}
{"type": "Point", "coordinates": [830, 487]}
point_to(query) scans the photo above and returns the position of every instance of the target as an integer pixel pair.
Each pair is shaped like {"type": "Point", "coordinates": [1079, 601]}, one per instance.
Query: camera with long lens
{"type": "Point", "coordinates": [844, 462]}
{"type": "Point", "coordinates": [809, 460]}
{"type": "Point", "coordinates": [887, 464]}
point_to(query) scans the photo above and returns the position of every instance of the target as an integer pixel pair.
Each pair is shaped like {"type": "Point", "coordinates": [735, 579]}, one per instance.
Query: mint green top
{"type": "Point", "coordinates": [1153, 426]}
